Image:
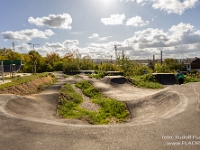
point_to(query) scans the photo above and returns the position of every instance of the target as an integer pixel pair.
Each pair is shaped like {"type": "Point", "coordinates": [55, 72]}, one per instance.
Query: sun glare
{"type": "Point", "coordinates": [106, 2]}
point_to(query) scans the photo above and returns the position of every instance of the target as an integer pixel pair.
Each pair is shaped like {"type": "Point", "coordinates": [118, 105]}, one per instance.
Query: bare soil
{"type": "Point", "coordinates": [27, 88]}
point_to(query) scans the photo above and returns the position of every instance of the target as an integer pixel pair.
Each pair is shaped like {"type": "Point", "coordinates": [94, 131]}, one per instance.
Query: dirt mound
{"type": "Point", "coordinates": [27, 88]}
{"type": "Point", "coordinates": [38, 108]}
{"type": "Point", "coordinates": [115, 80]}
{"type": "Point", "coordinates": [153, 107]}
{"type": "Point", "coordinates": [42, 107]}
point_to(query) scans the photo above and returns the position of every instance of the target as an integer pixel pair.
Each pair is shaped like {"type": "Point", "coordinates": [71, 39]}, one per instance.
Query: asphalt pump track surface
{"type": "Point", "coordinates": [158, 117]}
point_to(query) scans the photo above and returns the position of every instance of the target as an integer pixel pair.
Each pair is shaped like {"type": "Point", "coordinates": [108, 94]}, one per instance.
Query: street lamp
{"type": "Point", "coordinates": [33, 45]}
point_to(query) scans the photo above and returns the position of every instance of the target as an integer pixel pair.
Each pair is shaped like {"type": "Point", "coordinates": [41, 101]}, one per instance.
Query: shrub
{"type": "Point", "coordinates": [88, 89]}
{"type": "Point", "coordinates": [146, 81]}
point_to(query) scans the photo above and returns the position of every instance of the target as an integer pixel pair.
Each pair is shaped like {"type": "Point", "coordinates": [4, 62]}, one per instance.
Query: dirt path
{"type": "Point", "coordinates": [40, 107]}
{"type": "Point", "coordinates": [177, 105]}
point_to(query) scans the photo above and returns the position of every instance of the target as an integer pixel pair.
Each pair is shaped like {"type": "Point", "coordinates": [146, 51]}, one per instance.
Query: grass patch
{"type": "Point", "coordinates": [146, 81]}
{"type": "Point", "coordinates": [110, 110]}
{"type": "Point", "coordinates": [98, 75]}
{"type": "Point", "coordinates": [188, 79]}
{"type": "Point", "coordinates": [88, 89]}
{"type": "Point", "coordinates": [76, 76]}
{"type": "Point", "coordinates": [66, 76]}
{"type": "Point", "coordinates": [25, 79]}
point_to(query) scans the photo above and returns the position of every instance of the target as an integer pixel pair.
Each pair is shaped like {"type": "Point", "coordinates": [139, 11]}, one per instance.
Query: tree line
{"type": "Point", "coordinates": [34, 62]}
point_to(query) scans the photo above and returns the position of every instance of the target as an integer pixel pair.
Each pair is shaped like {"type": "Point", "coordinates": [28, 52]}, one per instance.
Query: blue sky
{"type": "Point", "coordinates": [140, 28]}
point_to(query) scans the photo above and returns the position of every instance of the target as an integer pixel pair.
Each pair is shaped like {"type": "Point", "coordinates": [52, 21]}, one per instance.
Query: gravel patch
{"type": "Point", "coordinates": [87, 104]}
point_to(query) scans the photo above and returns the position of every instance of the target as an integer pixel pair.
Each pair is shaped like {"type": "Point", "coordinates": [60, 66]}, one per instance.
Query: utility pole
{"type": "Point", "coordinates": [115, 46]}
{"type": "Point", "coordinates": [115, 51]}
{"type": "Point", "coordinates": [11, 65]}
{"type": "Point", "coordinates": [33, 45]}
{"type": "Point", "coordinates": [161, 57]}
{"type": "Point", "coordinates": [153, 59]}
{"type": "Point", "coordinates": [13, 45]}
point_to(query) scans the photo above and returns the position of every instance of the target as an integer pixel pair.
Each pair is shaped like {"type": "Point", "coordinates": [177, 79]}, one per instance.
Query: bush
{"type": "Point", "coordinates": [88, 89]}
{"type": "Point", "coordinates": [58, 66]}
{"type": "Point", "coordinates": [41, 87]}
{"type": "Point", "coordinates": [146, 81]}
{"type": "Point", "coordinates": [188, 79]}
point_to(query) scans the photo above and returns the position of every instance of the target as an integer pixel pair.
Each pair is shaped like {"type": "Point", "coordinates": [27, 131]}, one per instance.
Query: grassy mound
{"type": "Point", "coordinates": [111, 111]}
{"type": "Point", "coordinates": [26, 79]}
{"type": "Point", "coordinates": [146, 81]}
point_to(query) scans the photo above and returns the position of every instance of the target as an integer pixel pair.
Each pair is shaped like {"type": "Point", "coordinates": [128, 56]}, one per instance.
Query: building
{"type": "Point", "coordinates": [192, 64]}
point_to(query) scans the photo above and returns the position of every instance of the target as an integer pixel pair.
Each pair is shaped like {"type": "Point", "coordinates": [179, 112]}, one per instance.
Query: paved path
{"type": "Point", "coordinates": [21, 134]}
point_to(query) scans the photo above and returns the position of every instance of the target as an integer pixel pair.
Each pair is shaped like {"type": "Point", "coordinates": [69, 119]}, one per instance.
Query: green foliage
{"type": "Point", "coordinates": [8, 54]}
{"type": "Point", "coordinates": [109, 67]}
{"type": "Point", "coordinates": [41, 87]}
{"type": "Point", "coordinates": [173, 64]}
{"type": "Point", "coordinates": [112, 108]}
{"type": "Point", "coordinates": [146, 81]}
{"type": "Point", "coordinates": [73, 64]}
{"type": "Point", "coordinates": [70, 65]}
{"type": "Point", "coordinates": [86, 64]}
{"type": "Point", "coordinates": [158, 68]}
{"type": "Point", "coordinates": [170, 65]}
{"type": "Point", "coordinates": [66, 76]}
{"type": "Point", "coordinates": [88, 89]}
{"type": "Point", "coordinates": [58, 66]}
{"type": "Point", "coordinates": [69, 91]}
{"type": "Point", "coordinates": [131, 68]}
{"type": "Point", "coordinates": [188, 78]}
{"type": "Point", "coordinates": [98, 75]}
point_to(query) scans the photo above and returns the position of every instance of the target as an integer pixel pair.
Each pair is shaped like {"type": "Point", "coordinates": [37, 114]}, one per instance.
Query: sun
{"type": "Point", "coordinates": [106, 2]}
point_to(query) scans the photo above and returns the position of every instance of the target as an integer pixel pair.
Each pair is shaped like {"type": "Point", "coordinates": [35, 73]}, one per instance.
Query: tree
{"type": "Point", "coordinates": [34, 56]}
{"type": "Point", "coordinates": [173, 64]}
{"type": "Point", "coordinates": [8, 54]}
{"type": "Point", "coordinates": [51, 59]}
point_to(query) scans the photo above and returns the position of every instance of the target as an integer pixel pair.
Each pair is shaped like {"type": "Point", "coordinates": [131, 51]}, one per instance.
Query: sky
{"type": "Point", "coordinates": [92, 28]}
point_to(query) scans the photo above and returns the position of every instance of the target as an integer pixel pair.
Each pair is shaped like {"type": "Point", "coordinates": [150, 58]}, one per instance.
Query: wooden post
{"type": "Point", "coordinates": [2, 71]}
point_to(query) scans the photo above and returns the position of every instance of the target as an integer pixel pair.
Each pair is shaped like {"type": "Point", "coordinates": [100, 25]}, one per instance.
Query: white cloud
{"type": "Point", "coordinates": [54, 45]}
{"type": "Point", "coordinates": [70, 42]}
{"type": "Point", "coordinates": [179, 41]}
{"type": "Point", "coordinates": [174, 6]}
{"type": "Point", "coordinates": [76, 33]}
{"type": "Point", "coordinates": [53, 21]}
{"type": "Point", "coordinates": [115, 19]}
{"type": "Point", "coordinates": [170, 6]}
{"type": "Point", "coordinates": [26, 35]}
{"type": "Point", "coordinates": [93, 36]}
{"type": "Point", "coordinates": [97, 37]}
{"type": "Point", "coordinates": [104, 38]}
{"type": "Point", "coordinates": [23, 48]}
{"type": "Point", "coordinates": [136, 21]}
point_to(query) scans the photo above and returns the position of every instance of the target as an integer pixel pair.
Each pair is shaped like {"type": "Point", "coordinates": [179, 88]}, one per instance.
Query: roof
{"type": "Point", "coordinates": [194, 60]}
